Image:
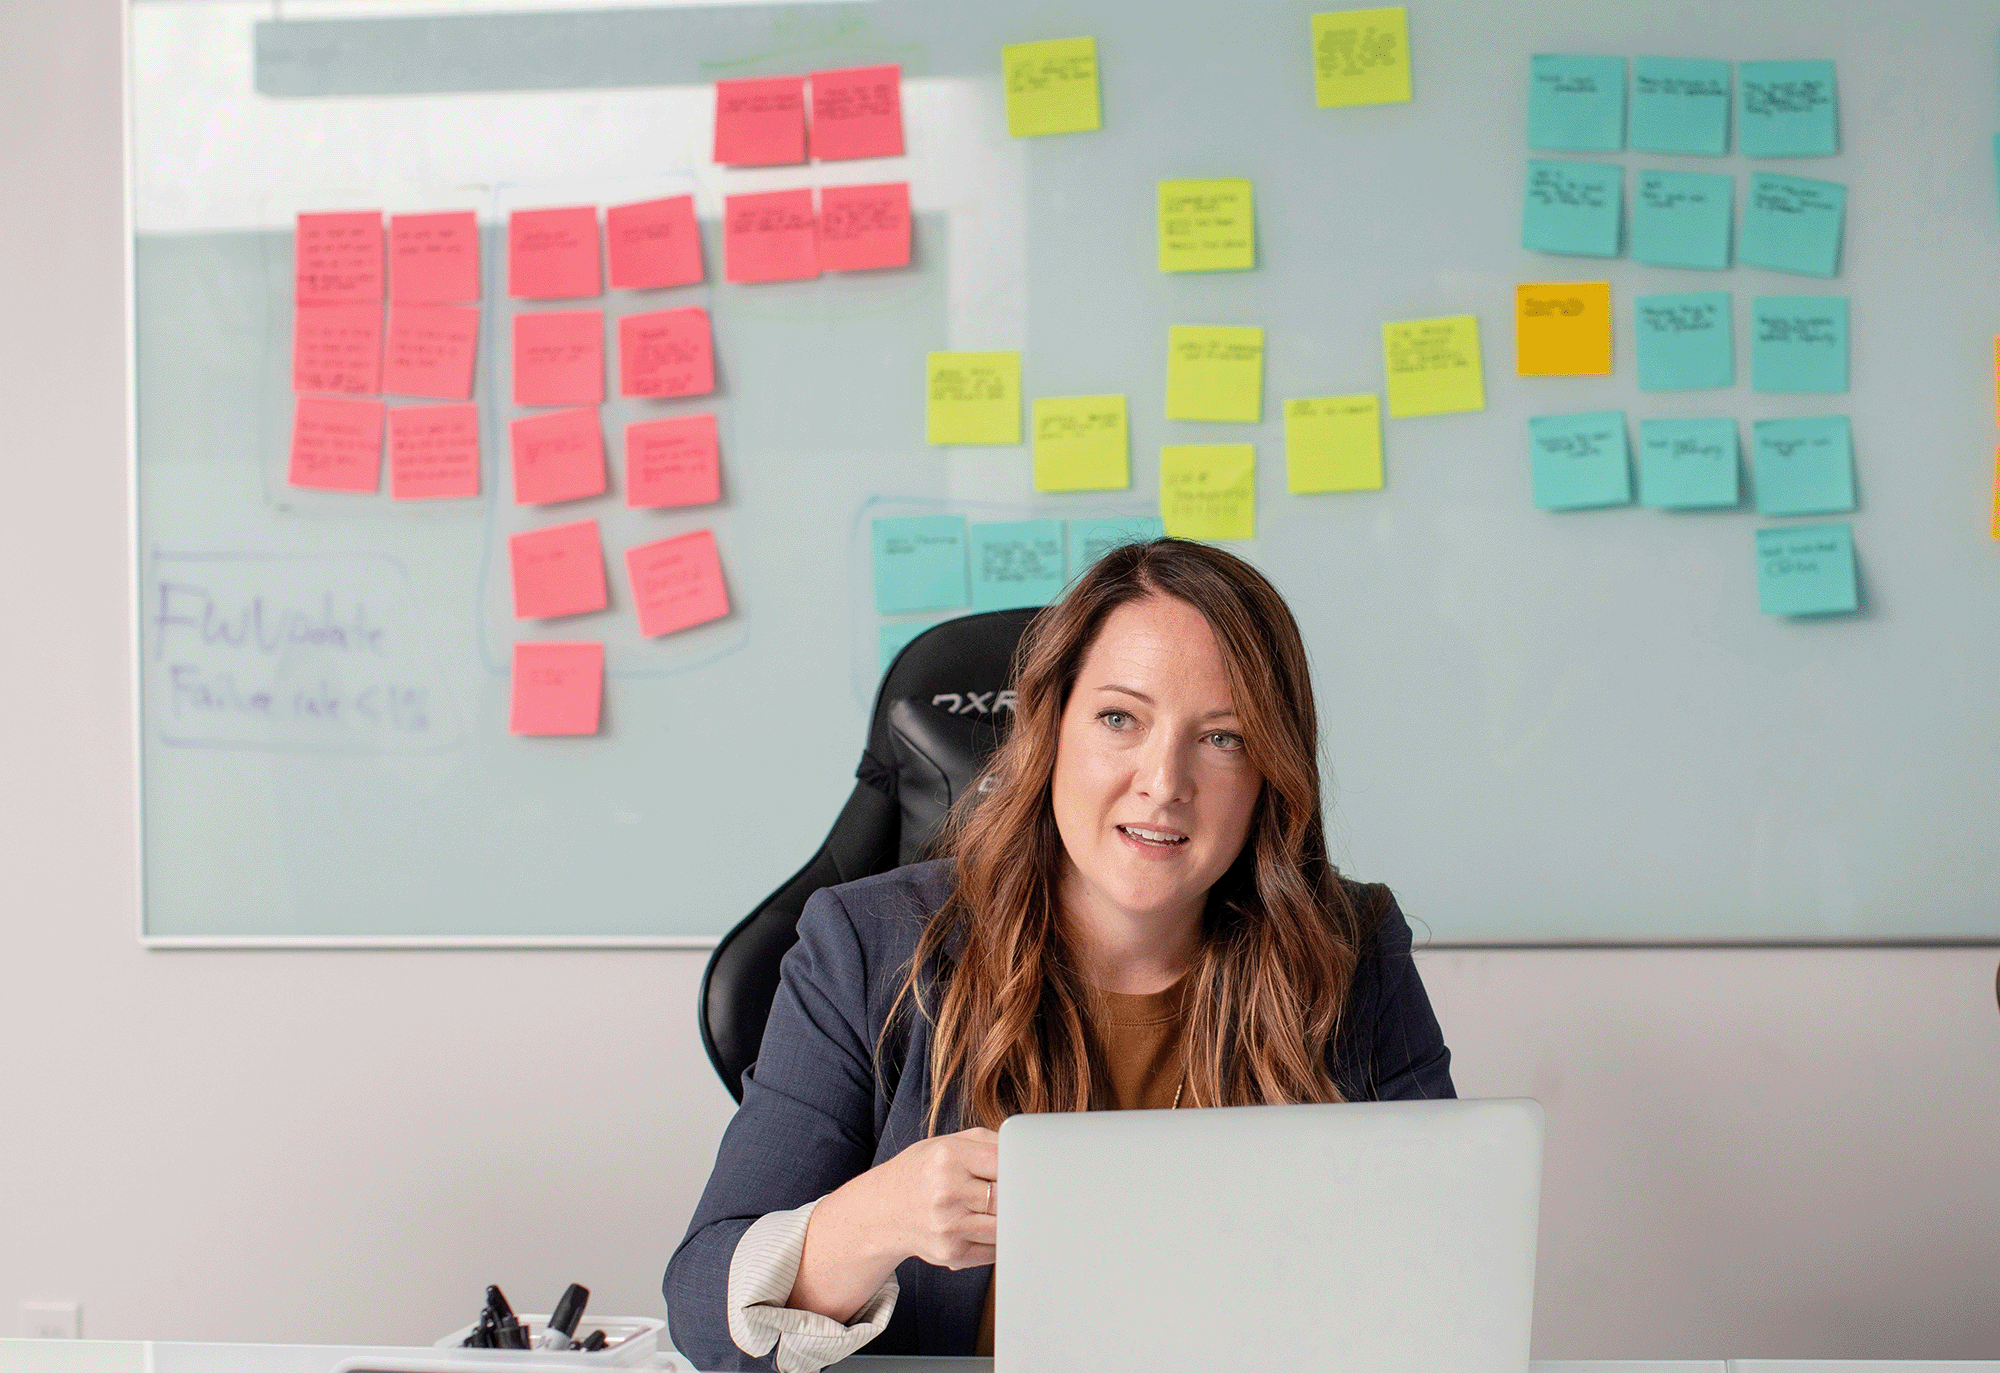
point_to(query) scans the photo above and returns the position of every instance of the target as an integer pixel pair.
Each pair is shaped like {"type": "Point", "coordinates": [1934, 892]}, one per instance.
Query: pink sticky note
{"type": "Point", "coordinates": [337, 348]}
{"type": "Point", "coordinates": [666, 353]}
{"type": "Point", "coordinates": [430, 351]}
{"type": "Point", "coordinates": [558, 570]}
{"type": "Point", "coordinates": [676, 583]}
{"type": "Point", "coordinates": [857, 112]}
{"type": "Point", "coordinates": [559, 358]}
{"type": "Point", "coordinates": [336, 444]}
{"type": "Point", "coordinates": [769, 237]}
{"type": "Point", "coordinates": [338, 257]}
{"type": "Point", "coordinates": [434, 258]}
{"type": "Point", "coordinates": [864, 226]}
{"type": "Point", "coordinates": [653, 243]}
{"type": "Point", "coordinates": [433, 452]}
{"type": "Point", "coordinates": [557, 456]}
{"type": "Point", "coordinates": [760, 123]}
{"type": "Point", "coordinates": [557, 689]}
{"type": "Point", "coordinates": [552, 254]}
{"type": "Point", "coordinates": [672, 462]}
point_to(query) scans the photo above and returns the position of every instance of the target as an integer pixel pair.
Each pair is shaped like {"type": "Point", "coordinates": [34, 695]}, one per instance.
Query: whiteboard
{"type": "Point", "coordinates": [1541, 727]}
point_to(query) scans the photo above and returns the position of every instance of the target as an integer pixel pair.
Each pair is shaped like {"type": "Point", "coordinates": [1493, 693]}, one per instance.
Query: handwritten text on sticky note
{"type": "Point", "coordinates": [557, 457]}
{"type": "Point", "coordinates": [1207, 226]}
{"type": "Point", "coordinates": [430, 351]}
{"type": "Point", "coordinates": [760, 122]}
{"type": "Point", "coordinates": [552, 254]}
{"type": "Point", "coordinates": [338, 257]}
{"type": "Point", "coordinates": [674, 461]}
{"type": "Point", "coordinates": [1080, 444]}
{"type": "Point", "coordinates": [1433, 366]}
{"type": "Point", "coordinates": [1215, 372]}
{"type": "Point", "coordinates": [559, 358]}
{"type": "Point", "coordinates": [1333, 443]}
{"type": "Point", "coordinates": [653, 243]}
{"type": "Point", "coordinates": [337, 348]}
{"type": "Point", "coordinates": [666, 353]}
{"type": "Point", "coordinates": [1361, 57]}
{"type": "Point", "coordinates": [433, 452]}
{"type": "Point", "coordinates": [769, 236]}
{"type": "Point", "coordinates": [557, 688]}
{"type": "Point", "coordinates": [1051, 86]}
{"type": "Point", "coordinates": [434, 258]}
{"type": "Point", "coordinates": [336, 444]}
{"type": "Point", "coordinates": [857, 112]}
{"type": "Point", "coordinates": [1563, 329]}
{"type": "Point", "coordinates": [973, 398]}
{"type": "Point", "coordinates": [1209, 490]}
{"type": "Point", "coordinates": [676, 583]}
{"type": "Point", "coordinates": [558, 570]}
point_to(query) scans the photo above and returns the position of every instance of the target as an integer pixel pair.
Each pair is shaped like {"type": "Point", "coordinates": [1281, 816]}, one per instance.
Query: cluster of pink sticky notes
{"type": "Point", "coordinates": [864, 227]}
{"type": "Point", "coordinates": [434, 258]}
{"type": "Point", "coordinates": [337, 347]}
{"type": "Point", "coordinates": [558, 688]}
{"type": "Point", "coordinates": [337, 257]}
{"type": "Point", "coordinates": [558, 456]}
{"type": "Point", "coordinates": [672, 462]}
{"type": "Point", "coordinates": [430, 351]}
{"type": "Point", "coordinates": [856, 112]}
{"type": "Point", "coordinates": [558, 570]}
{"type": "Point", "coordinates": [336, 444]}
{"type": "Point", "coordinates": [552, 254]}
{"type": "Point", "coordinates": [760, 122]}
{"type": "Point", "coordinates": [559, 358]}
{"type": "Point", "coordinates": [769, 236]}
{"type": "Point", "coordinates": [433, 452]}
{"type": "Point", "coordinates": [676, 583]}
{"type": "Point", "coordinates": [653, 243]}
{"type": "Point", "coordinates": [666, 353]}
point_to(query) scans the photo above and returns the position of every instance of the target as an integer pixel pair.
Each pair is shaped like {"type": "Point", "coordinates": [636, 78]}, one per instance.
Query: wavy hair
{"type": "Point", "coordinates": [996, 971]}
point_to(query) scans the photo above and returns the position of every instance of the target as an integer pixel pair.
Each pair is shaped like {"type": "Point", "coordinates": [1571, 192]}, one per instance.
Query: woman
{"type": "Point", "coordinates": [1137, 912]}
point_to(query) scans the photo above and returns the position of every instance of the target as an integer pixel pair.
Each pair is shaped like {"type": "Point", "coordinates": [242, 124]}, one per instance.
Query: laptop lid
{"type": "Point", "coordinates": [1371, 1237]}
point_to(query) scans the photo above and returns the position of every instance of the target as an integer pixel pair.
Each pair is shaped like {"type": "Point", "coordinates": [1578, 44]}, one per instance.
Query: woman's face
{"type": "Point", "coordinates": [1152, 792]}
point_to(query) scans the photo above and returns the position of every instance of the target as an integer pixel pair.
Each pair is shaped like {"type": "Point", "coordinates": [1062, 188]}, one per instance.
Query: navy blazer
{"type": "Point", "coordinates": [815, 1113]}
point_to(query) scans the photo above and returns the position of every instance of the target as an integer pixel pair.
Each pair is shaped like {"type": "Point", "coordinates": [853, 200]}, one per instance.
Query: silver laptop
{"type": "Point", "coordinates": [1372, 1237]}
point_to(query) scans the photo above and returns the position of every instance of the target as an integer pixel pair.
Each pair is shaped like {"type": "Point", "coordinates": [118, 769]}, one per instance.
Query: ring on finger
{"type": "Point", "coordinates": [989, 1199]}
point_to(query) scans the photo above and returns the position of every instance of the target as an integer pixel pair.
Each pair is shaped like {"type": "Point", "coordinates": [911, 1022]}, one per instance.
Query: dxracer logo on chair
{"type": "Point", "coordinates": [974, 702]}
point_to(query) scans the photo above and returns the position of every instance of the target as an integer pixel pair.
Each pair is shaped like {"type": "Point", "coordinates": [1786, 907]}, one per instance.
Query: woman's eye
{"type": "Point", "coordinates": [1117, 719]}
{"type": "Point", "coordinates": [1222, 739]}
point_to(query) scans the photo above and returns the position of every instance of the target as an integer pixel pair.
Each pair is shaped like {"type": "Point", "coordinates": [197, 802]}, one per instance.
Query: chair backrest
{"type": "Point", "coordinates": [938, 715]}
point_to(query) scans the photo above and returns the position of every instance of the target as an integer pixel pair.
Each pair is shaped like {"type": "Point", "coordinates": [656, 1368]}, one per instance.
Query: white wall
{"type": "Point", "coordinates": [1751, 1153]}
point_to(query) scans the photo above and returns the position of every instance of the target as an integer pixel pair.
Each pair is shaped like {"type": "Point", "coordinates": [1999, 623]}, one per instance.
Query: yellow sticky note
{"type": "Point", "coordinates": [1051, 87]}
{"type": "Point", "coordinates": [1433, 366]}
{"type": "Point", "coordinates": [973, 398]}
{"type": "Point", "coordinates": [1207, 226]}
{"type": "Point", "coordinates": [1215, 373]}
{"type": "Point", "coordinates": [1209, 490]}
{"type": "Point", "coordinates": [1080, 444]}
{"type": "Point", "coordinates": [1361, 57]}
{"type": "Point", "coordinates": [1562, 329]}
{"type": "Point", "coordinates": [1333, 443]}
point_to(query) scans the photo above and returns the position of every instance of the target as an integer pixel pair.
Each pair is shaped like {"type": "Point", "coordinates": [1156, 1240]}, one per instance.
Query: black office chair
{"type": "Point", "coordinates": [938, 715]}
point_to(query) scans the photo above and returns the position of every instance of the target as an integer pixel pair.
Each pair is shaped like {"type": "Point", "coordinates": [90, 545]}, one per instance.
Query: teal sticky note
{"type": "Point", "coordinates": [920, 563]}
{"type": "Point", "coordinates": [1806, 569]}
{"type": "Point", "coordinates": [1573, 208]}
{"type": "Point", "coordinates": [1090, 540]}
{"type": "Point", "coordinates": [896, 637]}
{"type": "Point", "coordinates": [1804, 466]}
{"type": "Point", "coordinates": [1576, 104]}
{"type": "Point", "coordinates": [1681, 219]}
{"type": "Point", "coordinates": [1688, 464]}
{"type": "Point", "coordinates": [1798, 343]}
{"type": "Point", "coordinates": [1685, 341]}
{"type": "Point", "coordinates": [1791, 224]}
{"type": "Point", "coordinates": [1680, 105]}
{"type": "Point", "coordinates": [1017, 563]}
{"type": "Point", "coordinates": [1787, 109]}
{"type": "Point", "coordinates": [1580, 461]}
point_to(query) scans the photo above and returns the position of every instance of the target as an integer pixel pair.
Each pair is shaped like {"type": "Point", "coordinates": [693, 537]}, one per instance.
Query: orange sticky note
{"type": "Point", "coordinates": [337, 257]}
{"type": "Point", "coordinates": [336, 444]}
{"type": "Point", "coordinates": [559, 358]}
{"type": "Point", "coordinates": [676, 583]}
{"type": "Point", "coordinates": [337, 348]}
{"type": "Point", "coordinates": [760, 122]}
{"type": "Point", "coordinates": [433, 452]}
{"type": "Point", "coordinates": [769, 237]}
{"type": "Point", "coordinates": [864, 226]}
{"type": "Point", "coordinates": [857, 112]}
{"type": "Point", "coordinates": [653, 243]}
{"type": "Point", "coordinates": [434, 258]}
{"type": "Point", "coordinates": [552, 254]}
{"type": "Point", "coordinates": [666, 353]}
{"type": "Point", "coordinates": [557, 571]}
{"type": "Point", "coordinates": [557, 457]}
{"type": "Point", "coordinates": [1563, 329]}
{"type": "Point", "coordinates": [430, 351]}
{"type": "Point", "coordinates": [558, 688]}
{"type": "Point", "coordinates": [672, 462]}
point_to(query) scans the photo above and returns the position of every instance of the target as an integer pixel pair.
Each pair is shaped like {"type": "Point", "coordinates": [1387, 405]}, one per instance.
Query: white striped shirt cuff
{"type": "Point", "coordinates": [762, 1272]}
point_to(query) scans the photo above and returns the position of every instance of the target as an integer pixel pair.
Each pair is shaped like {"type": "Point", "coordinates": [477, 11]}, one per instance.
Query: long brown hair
{"type": "Point", "coordinates": [995, 970]}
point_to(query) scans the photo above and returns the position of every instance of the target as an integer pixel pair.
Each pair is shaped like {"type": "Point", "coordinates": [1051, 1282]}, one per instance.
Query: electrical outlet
{"type": "Point", "coordinates": [52, 1320]}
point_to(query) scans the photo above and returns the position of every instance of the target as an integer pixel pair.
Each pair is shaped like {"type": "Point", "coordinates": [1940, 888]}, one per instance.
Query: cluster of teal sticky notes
{"type": "Point", "coordinates": [1017, 563]}
{"type": "Point", "coordinates": [1798, 343]}
{"type": "Point", "coordinates": [1681, 219]}
{"type": "Point", "coordinates": [1787, 109]}
{"type": "Point", "coordinates": [1804, 466]}
{"type": "Point", "coordinates": [1680, 105]}
{"type": "Point", "coordinates": [1574, 208]}
{"type": "Point", "coordinates": [1688, 464]}
{"type": "Point", "coordinates": [1090, 540]}
{"type": "Point", "coordinates": [896, 637]}
{"type": "Point", "coordinates": [920, 563]}
{"type": "Point", "coordinates": [1685, 341]}
{"type": "Point", "coordinates": [1580, 461]}
{"type": "Point", "coordinates": [1576, 104]}
{"type": "Point", "coordinates": [1806, 569]}
{"type": "Point", "coordinates": [1792, 224]}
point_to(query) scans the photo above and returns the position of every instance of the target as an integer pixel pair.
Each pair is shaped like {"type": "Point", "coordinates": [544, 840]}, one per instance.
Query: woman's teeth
{"type": "Point", "coordinates": [1160, 837]}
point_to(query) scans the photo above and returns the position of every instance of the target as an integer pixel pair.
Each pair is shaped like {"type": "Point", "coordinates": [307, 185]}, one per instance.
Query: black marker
{"type": "Point", "coordinates": [496, 1305]}
{"type": "Point", "coordinates": [512, 1336]}
{"type": "Point", "coordinates": [595, 1342]}
{"type": "Point", "coordinates": [562, 1324]}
